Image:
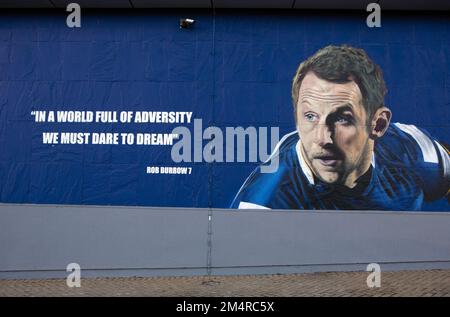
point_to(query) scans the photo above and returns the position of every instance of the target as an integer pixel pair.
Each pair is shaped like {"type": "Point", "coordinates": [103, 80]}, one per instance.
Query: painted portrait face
{"type": "Point", "coordinates": [331, 122]}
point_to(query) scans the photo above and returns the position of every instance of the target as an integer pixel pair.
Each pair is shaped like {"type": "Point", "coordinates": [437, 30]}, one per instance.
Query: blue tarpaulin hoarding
{"type": "Point", "coordinates": [229, 70]}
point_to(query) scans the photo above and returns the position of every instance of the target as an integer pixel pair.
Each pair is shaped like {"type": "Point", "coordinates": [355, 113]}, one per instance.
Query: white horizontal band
{"type": "Point", "coordinates": [246, 205]}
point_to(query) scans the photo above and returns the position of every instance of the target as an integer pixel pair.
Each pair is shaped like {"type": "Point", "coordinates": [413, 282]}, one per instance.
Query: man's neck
{"type": "Point", "coordinates": [351, 180]}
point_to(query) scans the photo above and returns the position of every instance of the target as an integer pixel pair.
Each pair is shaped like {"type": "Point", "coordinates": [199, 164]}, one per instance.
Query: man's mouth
{"type": "Point", "coordinates": [328, 160]}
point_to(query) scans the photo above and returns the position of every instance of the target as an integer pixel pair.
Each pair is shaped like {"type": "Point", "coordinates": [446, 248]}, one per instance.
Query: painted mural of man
{"type": "Point", "coordinates": [345, 153]}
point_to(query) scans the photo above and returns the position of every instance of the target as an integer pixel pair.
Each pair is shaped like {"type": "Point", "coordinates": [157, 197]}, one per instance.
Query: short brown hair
{"type": "Point", "coordinates": [342, 64]}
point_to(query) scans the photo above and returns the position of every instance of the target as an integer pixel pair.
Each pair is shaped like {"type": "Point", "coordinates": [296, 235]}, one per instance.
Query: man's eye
{"type": "Point", "coordinates": [344, 120]}
{"type": "Point", "coordinates": [310, 117]}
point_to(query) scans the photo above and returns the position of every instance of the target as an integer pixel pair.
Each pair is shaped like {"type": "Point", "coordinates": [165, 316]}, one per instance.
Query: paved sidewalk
{"type": "Point", "coordinates": [402, 283]}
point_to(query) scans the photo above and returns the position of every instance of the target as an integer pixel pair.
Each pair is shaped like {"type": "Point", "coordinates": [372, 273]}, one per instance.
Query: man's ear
{"type": "Point", "coordinates": [380, 122]}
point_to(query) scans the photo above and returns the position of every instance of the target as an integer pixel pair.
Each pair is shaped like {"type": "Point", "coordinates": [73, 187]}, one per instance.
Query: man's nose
{"type": "Point", "coordinates": [324, 134]}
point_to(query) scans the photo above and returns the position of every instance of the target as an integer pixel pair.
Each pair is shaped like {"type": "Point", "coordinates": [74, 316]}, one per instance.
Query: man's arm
{"type": "Point", "coordinates": [447, 149]}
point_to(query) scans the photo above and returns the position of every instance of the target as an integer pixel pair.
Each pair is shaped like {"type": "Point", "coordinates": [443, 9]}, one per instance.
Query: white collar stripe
{"type": "Point", "coordinates": [305, 168]}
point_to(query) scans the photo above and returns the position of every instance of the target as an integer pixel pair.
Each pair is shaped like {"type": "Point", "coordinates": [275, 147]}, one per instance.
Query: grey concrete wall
{"type": "Point", "coordinates": [45, 239]}
{"type": "Point", "coordinates": [40, 240]}
{"type": "Point", "coordinates": [308, 241]}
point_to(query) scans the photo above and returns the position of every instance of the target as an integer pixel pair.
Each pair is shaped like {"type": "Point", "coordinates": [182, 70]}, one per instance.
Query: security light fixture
{"type": "Point", "coordinates": [186, 23]}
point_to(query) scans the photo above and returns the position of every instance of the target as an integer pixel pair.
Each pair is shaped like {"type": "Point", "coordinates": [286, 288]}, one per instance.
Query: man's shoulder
{"type": "Point", "coordinates": [264, 189]}
{"type": "Point", "coordinates": [407, 144]}
{"type": "Point", "coordinates": [412, 150]}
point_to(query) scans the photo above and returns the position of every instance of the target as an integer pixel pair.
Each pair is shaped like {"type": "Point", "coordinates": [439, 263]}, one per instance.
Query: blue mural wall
{"type": "Point", "coordinates": [232, 69]}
